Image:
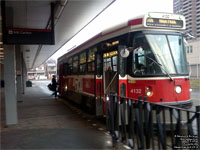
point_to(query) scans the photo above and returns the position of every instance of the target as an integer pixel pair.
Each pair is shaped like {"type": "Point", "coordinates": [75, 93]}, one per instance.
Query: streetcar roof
{"type": "Point", "coordinates": [139, 22]}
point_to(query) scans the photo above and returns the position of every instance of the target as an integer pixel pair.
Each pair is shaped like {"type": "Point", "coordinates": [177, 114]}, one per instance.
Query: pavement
{"type": "Point", "coordinates": [49, 123]}
{"type": "Point", "coordinates": [195, 96]}
{"type": "Point", "coordinates": [46, 123]}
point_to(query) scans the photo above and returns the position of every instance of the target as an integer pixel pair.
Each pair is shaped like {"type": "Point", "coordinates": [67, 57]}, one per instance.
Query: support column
{"type": "Point", "coordinates": [24, 76]}
{"type": "Point", "coordinates": [18, 72]}
{"type": "Point", "coordinates": [10, 85]}
{"type": "Point", "coordinates": [23, 70]}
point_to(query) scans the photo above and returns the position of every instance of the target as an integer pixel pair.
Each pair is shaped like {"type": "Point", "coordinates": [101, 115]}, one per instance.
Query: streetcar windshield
{"type": "Point", "coordinates": [159, 55]}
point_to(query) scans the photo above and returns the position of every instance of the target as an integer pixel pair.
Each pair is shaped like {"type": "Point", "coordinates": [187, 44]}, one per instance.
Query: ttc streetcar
{"type": "Point", "coordinates": [144, 56]}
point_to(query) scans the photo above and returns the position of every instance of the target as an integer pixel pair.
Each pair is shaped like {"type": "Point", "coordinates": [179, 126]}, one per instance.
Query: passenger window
{"type": "Point", "coordinates": [82, 67]}
{"type": "Point", "coordinates": [99, 65]}
{"type": "Point", "coordinates": [65, 68]}
{"type": "Point", "coordinates": [69, 70]}
{"type": "Point", "coordinates": [91, 67]}
{"type": "Point", "coordinates": [91, 58]}
{"type": "Point", "coordinates": [83, 58]}
{"type": "Point", "coordinates": [114, 63]}
{"type": "Point", "coordinates": [91, 54]}
{"type": "Point", "coordinates": [75, 64]}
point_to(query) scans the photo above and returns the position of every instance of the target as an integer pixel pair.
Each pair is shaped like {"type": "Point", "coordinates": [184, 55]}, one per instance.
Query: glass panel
{"type": "Point", "coordinates": [122, 89]}
{"type": "Point", "coordinates": [144, 62]}
{"type": "Point", "coordinates": [161, 51]}
{"type": "Point", "coordinates": [122, 66]}
{"type": "Point", "coordinates": [178, 51]}
{"type": "Point", "coordinates": [69, 66]}
{"type": "Point", "coordinates": [159, 54]}
{"type": "Point", "coordinates": [107, 64]}
{"type": "Point", "coordinates": [99, 65]}
{"type": "Point", "coordinates": [91, 54]}
{"type": "Point", "coordinates": [82, 68]}
{"type": "Point", "coordinates": [75, 64]}
{"type": "Point", "coordinates": [83, 58]}
{"type": "Point", "coordinates": [65, 67]}
{"type": "Point", "coordinates": [91, 67]}
{"type": "Point", "coordinates": [114, 62]}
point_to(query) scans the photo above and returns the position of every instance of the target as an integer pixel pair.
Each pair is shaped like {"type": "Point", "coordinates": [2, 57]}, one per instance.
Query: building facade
{"type": "Point", "coordinates": [191, 10]}
{"type": "Point", "coordinates": [44, 71]}
{"type": "Point", "coordinates": [193, 57]}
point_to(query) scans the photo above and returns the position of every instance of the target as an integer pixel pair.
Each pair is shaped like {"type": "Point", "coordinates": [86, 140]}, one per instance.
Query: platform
{"type": "Point", "coordinates": [48, 123]}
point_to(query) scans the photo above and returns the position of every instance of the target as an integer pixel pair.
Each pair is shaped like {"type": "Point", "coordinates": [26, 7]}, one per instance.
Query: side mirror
{"type": "Point", "coordinates": [189, 35]}
{"type": "Point", "coordinates": [124, 53]}
{"type": "Point", "coordinates": [138, 50]}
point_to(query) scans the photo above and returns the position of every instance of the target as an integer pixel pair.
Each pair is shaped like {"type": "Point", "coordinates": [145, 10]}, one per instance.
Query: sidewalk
{"type": "Point", "coordinates": [46, 123]}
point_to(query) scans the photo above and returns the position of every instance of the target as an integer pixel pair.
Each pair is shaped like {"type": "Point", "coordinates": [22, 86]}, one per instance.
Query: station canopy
{"type": "Point", "coordinates": [70, 17]}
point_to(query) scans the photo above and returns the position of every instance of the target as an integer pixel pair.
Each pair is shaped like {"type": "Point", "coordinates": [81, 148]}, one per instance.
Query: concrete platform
{"type": "Point", "coordinates": [48, 123]}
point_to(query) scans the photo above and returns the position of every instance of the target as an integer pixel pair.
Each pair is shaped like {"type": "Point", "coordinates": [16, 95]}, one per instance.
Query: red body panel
{"type": "Point", "coordinates": [88, 85]}
{"type": "Point", "coordinates": [163, 90]}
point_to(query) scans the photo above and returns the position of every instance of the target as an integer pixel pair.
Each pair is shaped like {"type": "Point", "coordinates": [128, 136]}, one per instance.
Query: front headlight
{"type": "Point", "coordinates": [148, 91]}
{"type": "Point", "coordinates": [178, 89]}
{"type": "Point", "coordinates": [66, 88]}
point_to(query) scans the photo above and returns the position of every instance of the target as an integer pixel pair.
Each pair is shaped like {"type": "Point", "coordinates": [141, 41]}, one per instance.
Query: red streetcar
{"type": "Point", "coordinates": [143, 56]}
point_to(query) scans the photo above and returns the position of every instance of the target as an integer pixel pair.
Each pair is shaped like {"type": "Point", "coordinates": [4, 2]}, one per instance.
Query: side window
{"type": "Point", "coordinates": [91, 58]}
{"type": "Point", "coordinates": [65, 68]}
{"type": "Point", "coordinates": [99, 65]}
{"type": "Point", "coordinates": [69, 70]}
{"type": "Point", "coordinates": [82, 66]}
{"type": "Point", "coordinates": [75, 64]}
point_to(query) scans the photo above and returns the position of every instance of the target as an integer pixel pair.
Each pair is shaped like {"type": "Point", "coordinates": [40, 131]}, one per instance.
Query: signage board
{"type": "Point", "coordinates": [28, 36]}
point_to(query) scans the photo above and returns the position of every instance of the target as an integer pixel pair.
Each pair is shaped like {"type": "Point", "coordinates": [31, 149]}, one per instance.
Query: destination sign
{"type": "Point", "coordinates": [169, 23]}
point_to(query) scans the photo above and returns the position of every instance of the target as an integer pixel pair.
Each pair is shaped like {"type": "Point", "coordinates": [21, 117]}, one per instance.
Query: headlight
{"type": "Point", "coordinates": [148, 91]}
{"type": "Point", "coordinates": [178, 89]}
{"type": "Point", "coordinates": [66, 88]}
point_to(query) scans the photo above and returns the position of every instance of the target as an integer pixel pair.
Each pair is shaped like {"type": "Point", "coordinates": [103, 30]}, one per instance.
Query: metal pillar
{"type": "Point", "coordinates": [10, 85]}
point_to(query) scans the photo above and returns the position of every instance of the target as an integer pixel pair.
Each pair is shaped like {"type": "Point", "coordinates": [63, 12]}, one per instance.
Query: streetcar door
{"type": "Point", "coordinates": [99, 85]}
{"type": "Point", "coordinates": [110, 77]}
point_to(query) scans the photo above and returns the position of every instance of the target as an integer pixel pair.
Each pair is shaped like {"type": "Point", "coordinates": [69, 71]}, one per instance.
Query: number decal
{"type": "Point", "coordinates": [136, 91]}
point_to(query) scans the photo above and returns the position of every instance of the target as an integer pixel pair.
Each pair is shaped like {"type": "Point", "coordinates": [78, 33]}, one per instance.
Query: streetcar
{"type": "Point", "coordinates": [144, 56]}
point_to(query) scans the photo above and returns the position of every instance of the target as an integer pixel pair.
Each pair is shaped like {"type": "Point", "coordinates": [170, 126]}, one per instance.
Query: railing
{"type": "Point", "coordinates": [144, 125]}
